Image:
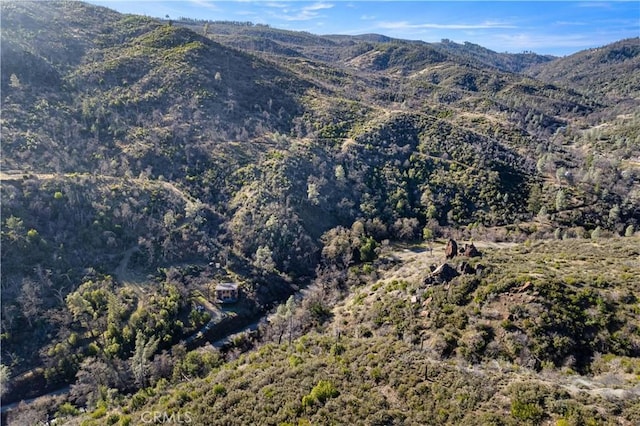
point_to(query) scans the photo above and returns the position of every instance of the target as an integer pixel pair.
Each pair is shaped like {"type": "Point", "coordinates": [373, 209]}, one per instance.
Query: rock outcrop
{"type": "Point", "coordinates": [470, 251]}
{"type": "Point", "coordinates": [465, 269]}
{"type": "Point", "coordinates": [443, 274]}
{"type": "Point", "coordinates": [451, 250]}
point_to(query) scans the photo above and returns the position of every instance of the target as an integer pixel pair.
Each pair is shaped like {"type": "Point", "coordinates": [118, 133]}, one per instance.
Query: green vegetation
{"type": "Point", "coordinates": [143, 162]}
{"type": "Point", "coordinates": [455, 354]}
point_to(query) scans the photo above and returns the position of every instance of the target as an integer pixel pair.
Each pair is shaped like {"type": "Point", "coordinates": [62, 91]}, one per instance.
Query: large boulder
{"type": "Point", "coordinates": [452, 249]}
{"type": "Point", "coordinates": [471, 251]}
{"type": "Point", "coordinates": [443, 274]}
{"type": "Point", "coordinates": [465, 269]}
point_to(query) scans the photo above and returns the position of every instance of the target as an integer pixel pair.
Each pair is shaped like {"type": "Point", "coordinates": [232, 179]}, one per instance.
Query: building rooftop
{"type": "Point", "coordinates": [227, 286]}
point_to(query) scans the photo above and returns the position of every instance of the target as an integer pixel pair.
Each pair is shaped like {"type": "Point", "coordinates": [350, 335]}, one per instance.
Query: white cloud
{"type": "Point", "coordinates": [570, 23]}
{"type": "Point", "coordinates": [276, 5]}
{"type": "Point", "coordinates": [318, 6]}
{"type": "Point", "coordinates": [206, 4]}
{"type": "Point", "coordinates": [598, 4]}
{"type": "Point", "coordinates": [404, 25]}
{"type": "Point", "coordinates": [542, 42]}
{"type": "Point", "coordinates": [306, 13]}
{"type": "Point", "coordinates": [367, 17]}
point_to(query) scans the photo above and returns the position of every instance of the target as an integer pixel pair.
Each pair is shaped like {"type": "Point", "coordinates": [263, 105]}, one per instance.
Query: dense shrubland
{"type": "Point", "coordinates": [136, 153]}
{"type": "Point", "coordinates": [456, 353]}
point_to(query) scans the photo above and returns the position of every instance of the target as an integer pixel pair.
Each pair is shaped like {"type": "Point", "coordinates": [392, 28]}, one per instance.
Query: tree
{"type": "Point", "coordinates": [534, 203]}
{"type": "Point", "coordinates": [340, 173]}
{"type": "Point", "coordinates": [290, 307]}
{"type": "Point", "coordinates": [30, 300]}
{"type": "Point", "coordinates": [561, 200]}
{"type": "Point", "coordinates": [93, 379]}
{"type": "Point", "coordinates": [264, 259]}
{"type": "Point", "coordinates": [14, 228]}
{"type": "Point", "coordinates": [629, 231]}
{"type": "Point", "coordinates": [5, 374]}
{"type": "Point", "coordinates": [14, 82]}
{"type": "Point", "coordinates": [282, 321]}
{"type": "Point", "coordinates": [162, 366]}
{"type": "Point", "coordinates": [140, 361]}
{"type": "Point", "coordinates": [89, 304]}
{"type": "Point", "coordinates": [406, 228]}
{"type": "Point", "coordinates": [368, 250]}
{"type": "Point", "coordinates": [541, 165]}
{"type": "Point", "coordinates": [557, 234]}
{"type": "Point", "coordinates": [614, 215]}
{"type": "Point", "coordinates": [28, 414]}
{"type": "Point", "coordinates": [337, 246]}
{"type": "Point", "coordinates": [195, 211]}
{"type": "Point", "coordinates": [543, 214]}
{"type": "Point", "coordinates": [313, 193]}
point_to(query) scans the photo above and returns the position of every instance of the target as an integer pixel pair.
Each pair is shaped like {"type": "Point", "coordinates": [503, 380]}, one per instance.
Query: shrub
{"type": "Point", "coordinates": [113, 419]}
{"type": "Point", "coordinates": [219, 389]}
{"type": "Point", "coordinates": [67, 409]}
{"type": "Point", "coordinates": [527, 402]}
{"type": "Point", "coordinates": [138, 400]}
{"type": "Point", "coordinates": [320, 393]}
{"type": "Point", "coordinates": [376, 374]}
{"type": "Point", "coordinates": [294, 361]}
{"type": "Point", "coordinates": [526, 411]}
{"type": "Point", "coordinates": [99, 412]}
{"type": "Point", "coordinates": [629, 231]}
{"type": "Point", "coordinates": [338, 349]}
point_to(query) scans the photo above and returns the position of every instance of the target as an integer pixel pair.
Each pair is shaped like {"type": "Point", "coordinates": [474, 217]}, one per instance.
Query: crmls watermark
{"type": "Point", "coordinates": [162, 417]}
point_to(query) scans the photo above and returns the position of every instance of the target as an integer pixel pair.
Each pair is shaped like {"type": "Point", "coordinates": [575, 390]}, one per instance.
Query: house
{"type": "Point", "coordinates": [227, 292]}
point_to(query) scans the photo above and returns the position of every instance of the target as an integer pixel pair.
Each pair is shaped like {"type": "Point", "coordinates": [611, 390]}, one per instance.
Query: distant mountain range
{"type": "Point", "coordinates": [133, 147]}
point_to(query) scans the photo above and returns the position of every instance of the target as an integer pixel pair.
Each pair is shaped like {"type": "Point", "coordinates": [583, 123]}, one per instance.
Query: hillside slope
{"type": "Point", "coordinates": [590, 71]}
{"type": "Point", "coordinates": [504, 346]}
{"type": "Point", "coordinates": [143, 162]}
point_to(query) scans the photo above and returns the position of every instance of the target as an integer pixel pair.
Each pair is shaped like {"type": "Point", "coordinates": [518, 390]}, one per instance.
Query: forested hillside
{"type": "Point", "coordinates": [543, 335]}
{"type": "Point", "coordinates": [143, 161]}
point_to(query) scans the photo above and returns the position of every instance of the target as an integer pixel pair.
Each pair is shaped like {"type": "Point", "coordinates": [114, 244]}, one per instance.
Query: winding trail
{"type": "Point", "coordinates": [9, 407]}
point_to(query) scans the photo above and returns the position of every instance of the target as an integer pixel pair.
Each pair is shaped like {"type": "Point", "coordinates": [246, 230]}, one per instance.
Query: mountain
{"type": "Point", "coordinates": [591, 71]}
{"type": "Point", "coordinates": [265, 39]}
{"type": "Point", "coordinates": [471, 52]}
{"type": "Point", "coordinates": [144, 161]}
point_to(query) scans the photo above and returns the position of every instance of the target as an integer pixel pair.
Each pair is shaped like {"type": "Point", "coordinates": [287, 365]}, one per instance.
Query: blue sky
{"type": "Point", "coordinates": [546, 27]}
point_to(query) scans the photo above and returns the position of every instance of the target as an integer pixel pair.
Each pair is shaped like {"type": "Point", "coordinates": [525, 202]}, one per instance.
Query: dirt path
{"type": "Point", "coordinates": [122, 271]}
{"type": "Point", "coordinates": [17, 175]}
{"type": "Point", "coordinates": [9, 407]}
{"type": "Point", "coordinates": [413, 261]}
{"type": "Point", "coordinates": [410, 263]}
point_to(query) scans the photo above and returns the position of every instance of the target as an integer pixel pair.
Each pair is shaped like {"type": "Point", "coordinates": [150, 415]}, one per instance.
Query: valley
{"type": "Point", "coordinates": [145, 161]}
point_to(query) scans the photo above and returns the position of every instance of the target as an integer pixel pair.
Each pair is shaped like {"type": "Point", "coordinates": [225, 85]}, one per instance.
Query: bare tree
{"type": "Point", "coordinates": [30, 300]}
{"type": "Point", "coordinates": [93, 379]}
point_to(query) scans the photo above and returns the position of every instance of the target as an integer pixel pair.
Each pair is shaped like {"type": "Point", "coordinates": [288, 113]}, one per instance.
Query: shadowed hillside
{"type": "Point", "coordinates": [143, 161]}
